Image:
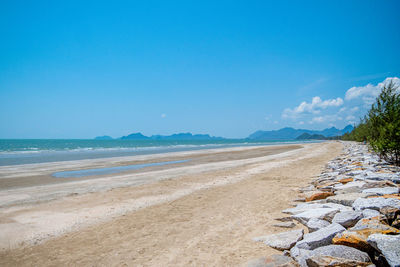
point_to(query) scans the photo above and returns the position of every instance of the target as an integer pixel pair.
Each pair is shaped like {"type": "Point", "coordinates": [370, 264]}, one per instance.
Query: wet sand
{"type": "Point", "coordinates": [201, 213]}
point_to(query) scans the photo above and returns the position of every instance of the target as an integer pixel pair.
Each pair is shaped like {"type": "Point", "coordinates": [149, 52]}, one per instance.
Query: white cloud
{"type": "Point", "coordinates": [350, 118]}
{"type": "Point", "coordinates": [343, 109]}
{"type": "Point", "coordinates": [314, 107]}
{"type": "Point", "coordinates": [369, 92]}
{"type": "Point", "coordinates": [163, 115]}
{"type": "Point", "coordinates": [301, 123]}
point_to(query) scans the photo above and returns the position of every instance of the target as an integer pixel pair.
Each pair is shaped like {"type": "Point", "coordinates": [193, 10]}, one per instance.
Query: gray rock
{"type": "Point", "coordinates": [382, 191]}
{"type": "Point", "coordinates": [272, 261]}
{"type": "Point", "coordinates": [284, 219]}
{"type": "Point", "coordinates": [345, 199]}
{"type": "Point", "coordinates": [300, 255]}
{"type": "Point", "coordinates": [316, 224]}
{"type": "Point", "coordinates": [322, 237]}
{"type": "Point", "coordinates": [375, 203]}
{"type": "Point", "coordinates": [302, 207]}
{"type": "Point", "coordinates": [347, 218]}
{"type": "Point", "coordinates": [318, 213]}
{"type": "Point", "coordinates": [282, 241]}
{"type": "Point", "coordinates": [388, 245]}
{"type": "Point", "coordinates": [355, 185]}
{"type": "Point", "coordinates": [337, 255]}
{"type": "Point", "coordinates": [368, 213]}
{"type": "Point", "coordinates": [285, 224]}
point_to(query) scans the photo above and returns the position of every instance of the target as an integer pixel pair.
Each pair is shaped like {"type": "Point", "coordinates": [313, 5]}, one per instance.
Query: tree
{"type": "Point", "coordinates": [383, 123]}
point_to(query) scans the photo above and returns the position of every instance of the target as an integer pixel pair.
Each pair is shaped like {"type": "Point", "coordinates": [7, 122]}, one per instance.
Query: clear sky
{"type": "Point", "coordinates": [79, 69]}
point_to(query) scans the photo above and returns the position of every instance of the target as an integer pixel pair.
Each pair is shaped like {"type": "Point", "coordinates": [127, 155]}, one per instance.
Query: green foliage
{"type": "Point", "coordinates": [381, 127]}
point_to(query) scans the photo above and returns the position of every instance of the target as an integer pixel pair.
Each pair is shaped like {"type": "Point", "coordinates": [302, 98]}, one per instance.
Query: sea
{"type": "Point", "coordinates": [29, 151]}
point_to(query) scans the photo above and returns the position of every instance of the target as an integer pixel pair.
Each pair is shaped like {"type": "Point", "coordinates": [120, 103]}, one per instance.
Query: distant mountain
{"type": "Point", "coordinates": [104, 137]}
{"type": "Point", "coordinates": [135, 136]}
{"type": "Point", "coordinates": [291, 133]}
{"type": "Point", "coordinates": [178, 136]}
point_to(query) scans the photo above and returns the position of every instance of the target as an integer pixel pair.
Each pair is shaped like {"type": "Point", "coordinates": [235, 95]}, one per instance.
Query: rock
{"type": "Point", "coordinates": [285, 225]}
{"type": "Point", "coordinates": [272, 261]}
{"type": "Point", "coordinates": [302, 207]}
{"type": "Point", "coordinates": [346, 180]}
{"type": "Point", "coordinates": [319, 213]}
{"type": "Point", "coordinates": [320, 237]}
{"type": "Point", "coordinates": [284, 219]}
{"type": "Point", "coordinates": [381, 191]}
{"type": "Point", "coordinates": [391, 214]}
{"type": "Point", "coordinates": [374, 223]}
{"type": "Point", "coordinates": [389, 246]}
{"type": "Point", "coordinates": [282, 241]}
{"type": "Point", "coordinates": [300, 255]}
{"type": "Point", "coordinates": [337, 255]}
{"type": "Point", "coordinates": [353, 239]}
{"type": "Point", "coordinates": [318, 196]}
{"type": "Point", "coordinates": [356, 185]}
{"type": "Point", "coordinates": [315, 224]}
{"type": "Point", "coordinates": [347, 218]}
{"type": "Point", "coordinates": [357, 235]}
{"type": "Point", "coordinates": [368, 213]}
{"type": "Point", "coordinates": [375, 203]}
{"type": "Point", "coordinates": [392, 196]}
{"type": "Point", "coordinates": [345, 199]}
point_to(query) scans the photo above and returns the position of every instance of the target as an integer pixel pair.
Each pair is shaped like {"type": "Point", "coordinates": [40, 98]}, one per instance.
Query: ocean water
{"type": "Point", "coordinates": [26, 151]}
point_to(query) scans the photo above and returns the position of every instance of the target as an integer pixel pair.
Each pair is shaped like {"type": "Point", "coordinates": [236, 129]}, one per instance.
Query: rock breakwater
{"type": "Point", "coordinates": [350, 214]}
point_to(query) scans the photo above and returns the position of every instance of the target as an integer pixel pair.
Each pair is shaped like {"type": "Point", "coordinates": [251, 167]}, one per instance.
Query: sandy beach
{"type": "Point", "coordinates": [203, 212]}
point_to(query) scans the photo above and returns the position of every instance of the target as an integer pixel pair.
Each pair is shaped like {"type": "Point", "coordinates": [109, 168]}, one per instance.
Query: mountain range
{"type": "Point", "coordinates": [178, 136]}
{"type": "Point", "coordinates": [281, 134]}
{"type": "Point", "coordinates": [291, 133]}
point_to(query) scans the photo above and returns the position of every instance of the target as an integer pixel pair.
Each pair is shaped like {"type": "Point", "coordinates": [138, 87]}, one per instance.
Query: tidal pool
{"type": "Point", "coordinates": [110, 170]}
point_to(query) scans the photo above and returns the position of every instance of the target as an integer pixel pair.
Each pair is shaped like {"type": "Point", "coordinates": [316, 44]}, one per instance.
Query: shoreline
{"type": "Point", "coordinates": [122, 203]}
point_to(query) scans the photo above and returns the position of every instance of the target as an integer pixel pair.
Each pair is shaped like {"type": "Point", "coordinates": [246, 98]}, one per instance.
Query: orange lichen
{"type": "Point", "coordinates": [319, 195]}
{"type": "Point", "coordinates": [346, 180]}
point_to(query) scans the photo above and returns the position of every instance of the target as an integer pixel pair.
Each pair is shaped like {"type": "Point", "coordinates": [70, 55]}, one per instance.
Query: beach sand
{"type": "Point", "coordinates": [203, 212]}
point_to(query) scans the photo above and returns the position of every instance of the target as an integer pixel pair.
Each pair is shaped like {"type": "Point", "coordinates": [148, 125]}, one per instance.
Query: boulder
{"type": "Point", "coordinates": [318, 196]}
{"type": "Point", "coordinates": [374, 224]}
{"type": "Point", "coordinates": [347, 218]}
{"type": "Point", "coordinates": [282, 241]}
{"type": "Point", "coordinates": [284, 219]}
{"type": "Point", "coordinates": [368, 213]}
{"type": "Point", "coordinates": [319, 213]}
{"type": "Point", "coordinates": [320, 237]}
{"type": "Point", "coordinates": [388, 245]}
{"type": "Point", "coordinates": [346, 180]}
{"type": "Point", "coordinates": [381, 191]}
{"type": "Point", "coordinates": [391, 214]}
{"type": "Point", "coordinates": [337, 255]}
{"type": "Point", "coordinates": [315, 224]}
{"type": "Point", "coordinates": [345, 199]}
{"type": "Point", "coordinates": [351, 186]}
{"type": "Point", "coordinates": [300, 255]}
{"type": "Point", "coordinates": [302, 207]}
{"type": "Point", "coordinates": [357, 235]}
{"type": "Point", "coordinates": [375, 203]}
{"type": "Point", "coordinates": [272, 261]}
{"type": "Point", "coordinates": [285, 224]}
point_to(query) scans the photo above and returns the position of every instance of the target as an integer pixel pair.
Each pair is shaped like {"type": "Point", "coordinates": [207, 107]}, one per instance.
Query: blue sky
{"type": "Point", "coordinates": [77, 70]}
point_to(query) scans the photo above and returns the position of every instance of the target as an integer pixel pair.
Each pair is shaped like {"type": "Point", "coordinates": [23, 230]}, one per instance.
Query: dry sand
{"type": "Point", "coordinates": [202, 213]}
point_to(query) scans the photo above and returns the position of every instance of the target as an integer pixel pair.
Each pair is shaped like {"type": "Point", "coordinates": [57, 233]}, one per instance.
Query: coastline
{"type": "Point", "coordinates": [221, 196]}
